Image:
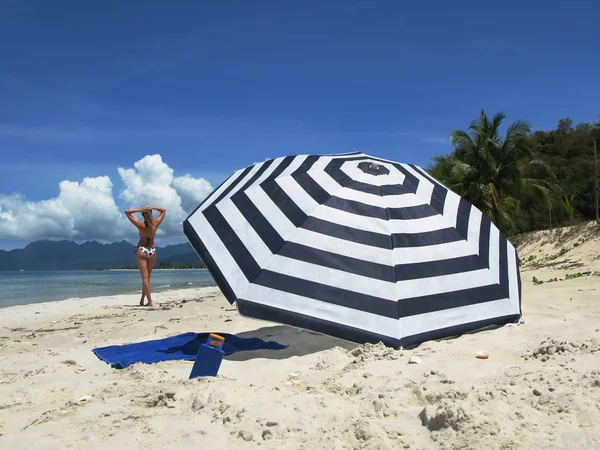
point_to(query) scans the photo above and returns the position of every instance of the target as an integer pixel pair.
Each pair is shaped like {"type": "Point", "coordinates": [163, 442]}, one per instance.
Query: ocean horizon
{"type": "Point", "coordinates": [38, 286]}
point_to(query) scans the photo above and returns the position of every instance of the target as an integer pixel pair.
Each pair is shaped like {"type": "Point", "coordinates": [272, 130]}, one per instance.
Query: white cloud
{"type": "Point", "coordinates": [87, 210]}
{"type": "Point", "coordinates": [83, 210]}
{"type": "Point", "coordinates": [191, 190]}
{"type": "Point", "coordinates": [152, 182]}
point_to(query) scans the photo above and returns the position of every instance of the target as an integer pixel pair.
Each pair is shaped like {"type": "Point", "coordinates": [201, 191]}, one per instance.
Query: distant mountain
{"type": "Point", "coordinates": [68, 255]}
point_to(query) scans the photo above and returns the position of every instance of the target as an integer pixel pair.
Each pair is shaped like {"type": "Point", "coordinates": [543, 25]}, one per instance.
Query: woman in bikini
{"type": "Point", "coordinates": [145, 253]}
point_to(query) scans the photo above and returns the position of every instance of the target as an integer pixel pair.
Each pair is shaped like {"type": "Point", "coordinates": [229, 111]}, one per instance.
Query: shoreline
{"type": "Point", "coordinates": [110, 301]}
{"type": "Point", "coordinates": [157, 290]}
{"type": "Point", "coordinates": [88, 288]}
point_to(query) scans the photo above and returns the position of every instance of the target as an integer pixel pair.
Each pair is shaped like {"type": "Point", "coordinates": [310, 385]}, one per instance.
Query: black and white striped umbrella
{"type": "Point", "coordinates": [356, 247]}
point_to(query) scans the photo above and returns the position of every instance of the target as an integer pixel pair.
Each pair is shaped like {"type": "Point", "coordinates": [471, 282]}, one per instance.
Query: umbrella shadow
{"type": "Point", "coordinates": [299, 343]}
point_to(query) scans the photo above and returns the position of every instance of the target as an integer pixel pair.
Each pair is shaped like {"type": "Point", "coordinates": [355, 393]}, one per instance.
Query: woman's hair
{"type": "Point", "coordinates": [148, 219]}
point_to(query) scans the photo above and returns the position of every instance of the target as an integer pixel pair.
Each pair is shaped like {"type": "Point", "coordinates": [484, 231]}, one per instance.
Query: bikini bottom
{"type": "Point", "coordinates": [147, 251]}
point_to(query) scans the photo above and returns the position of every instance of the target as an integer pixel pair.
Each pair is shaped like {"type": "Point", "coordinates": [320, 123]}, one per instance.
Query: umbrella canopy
{"type": "Point", "coordinates": [356, 247]}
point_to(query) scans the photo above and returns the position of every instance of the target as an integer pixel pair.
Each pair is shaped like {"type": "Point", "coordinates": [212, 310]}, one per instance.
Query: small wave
{"type": "Point", "coordinates": [191, 284]}
{"type": "Point", "coordinates": [164, 285]}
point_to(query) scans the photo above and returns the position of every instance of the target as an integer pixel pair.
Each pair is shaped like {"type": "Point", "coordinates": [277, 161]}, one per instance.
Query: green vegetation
{"type": "Point", "coordinates": [567, 203]}
{"type": "Point", "coordinates": [569, 276]}
{"type": "Point", "coordinates": [523, 180]}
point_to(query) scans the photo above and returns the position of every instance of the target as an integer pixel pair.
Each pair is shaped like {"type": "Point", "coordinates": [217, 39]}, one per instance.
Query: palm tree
{"type": "Point", "coordinates": [491, 171]}
{"type": "Point", "coordinates": [567, 203]}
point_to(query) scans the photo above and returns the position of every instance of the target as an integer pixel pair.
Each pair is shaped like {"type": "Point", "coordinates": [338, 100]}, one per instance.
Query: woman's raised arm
{"type": "Point", "coordinates": [129, 213]}
{"type": "Point", "coordinates": [160, 218]}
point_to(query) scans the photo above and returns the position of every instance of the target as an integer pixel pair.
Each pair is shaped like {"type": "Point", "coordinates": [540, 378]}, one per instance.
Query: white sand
{"type": "Point", "coordinates": [344, 397]}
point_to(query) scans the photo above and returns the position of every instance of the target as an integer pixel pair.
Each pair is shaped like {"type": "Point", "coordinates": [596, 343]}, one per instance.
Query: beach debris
{"type": "Point", "coordinates": [84, 399]}
{"type": "Point", "coordinates": [246, 435]}
{"type": "Point", "coordinates": [31, 373]}
{"type": "Point", "coordinates": [70, 362]}
{"type": "Point", "coordinates": [267, 434]}
{"type": "Point", "coordinates": [271, 423]}
{"type": "Point", "coordinates": [53, 330]}
{"type": "Point", "coordinates": [293, 375]}
{"type": "Point", "coordinates": [415, 360]}
{"type": "Point", "coordinates": [16, 330]}
{"type": "Point", "coordinates": [482, 355]}
{"type": "Point", "coordinates": [46, 416]}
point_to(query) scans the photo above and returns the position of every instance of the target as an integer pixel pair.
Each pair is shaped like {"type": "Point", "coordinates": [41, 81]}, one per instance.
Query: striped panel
{"type": "Point", "coordinates": [320, 243]}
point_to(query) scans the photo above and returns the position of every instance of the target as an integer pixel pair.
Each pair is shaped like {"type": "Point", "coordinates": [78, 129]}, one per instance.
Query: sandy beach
{"type": "Point", "coordinates": [539, 389]}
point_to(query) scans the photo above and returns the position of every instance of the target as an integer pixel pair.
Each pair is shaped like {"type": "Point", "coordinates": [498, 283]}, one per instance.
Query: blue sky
{"type": "Point", "coordinates": [212, 86]}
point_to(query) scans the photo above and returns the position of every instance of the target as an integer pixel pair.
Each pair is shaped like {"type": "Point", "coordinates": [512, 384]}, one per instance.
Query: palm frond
{"type": "Point", "coordinates": [495, 172]}
{"type": "Point", "coordinates": [461, 170]}
{"type": "Point", "coordinates": [518, 128]}
{"type": "Point", "coordinates": [461, 140]}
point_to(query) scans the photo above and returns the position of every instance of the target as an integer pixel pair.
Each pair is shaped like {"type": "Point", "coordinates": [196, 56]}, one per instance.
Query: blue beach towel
{"type": "Point", "coordinates": [183, 347]}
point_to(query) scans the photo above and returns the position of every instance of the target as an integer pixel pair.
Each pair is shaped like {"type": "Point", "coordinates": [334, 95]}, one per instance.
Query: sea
{"type": "Point", "coordinates": [24, 287]}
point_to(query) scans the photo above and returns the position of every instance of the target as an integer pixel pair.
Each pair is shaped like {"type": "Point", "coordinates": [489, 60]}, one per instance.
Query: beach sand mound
{"type": "Point", "coordinates": [571, 249]}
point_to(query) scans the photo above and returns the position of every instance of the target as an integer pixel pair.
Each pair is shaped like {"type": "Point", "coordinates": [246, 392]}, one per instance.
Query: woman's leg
{"type": "Point", "coordinates": [137, 250]}
{"type": "Point", "coordinates": [142, 264]}
{"type": "Point", "coordinates": [149, 266]}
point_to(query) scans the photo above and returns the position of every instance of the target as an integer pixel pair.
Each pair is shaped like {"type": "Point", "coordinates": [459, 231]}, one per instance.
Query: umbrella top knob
{"type": "Point", "coordinates": [373, 168]}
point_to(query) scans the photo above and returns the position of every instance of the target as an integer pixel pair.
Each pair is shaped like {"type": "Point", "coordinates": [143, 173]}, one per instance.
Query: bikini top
{"type": "Point", "coordinates": [149, 241]}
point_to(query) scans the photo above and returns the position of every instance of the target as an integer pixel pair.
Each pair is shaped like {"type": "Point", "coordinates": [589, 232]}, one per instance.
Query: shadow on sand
{"type": "Point", "coordinates": [300, 343]}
